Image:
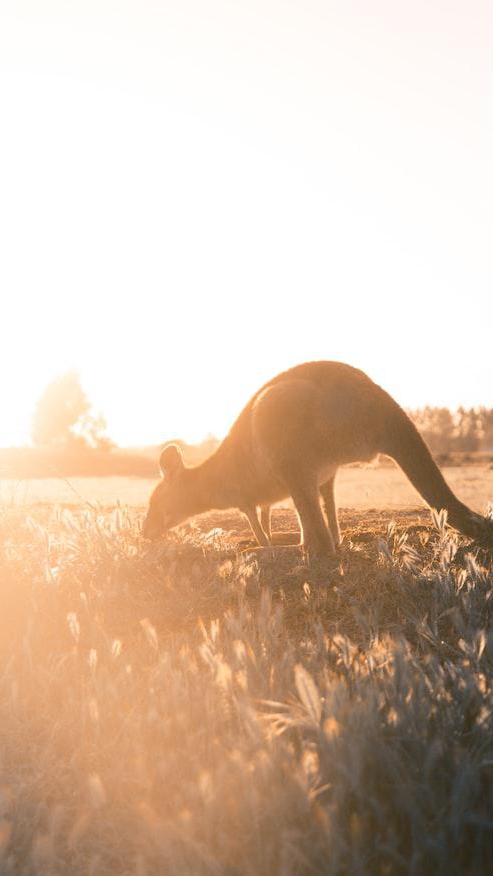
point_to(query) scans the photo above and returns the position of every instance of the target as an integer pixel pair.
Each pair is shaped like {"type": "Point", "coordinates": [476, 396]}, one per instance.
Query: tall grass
{"type": "Point", "coordinates": [187, 709]}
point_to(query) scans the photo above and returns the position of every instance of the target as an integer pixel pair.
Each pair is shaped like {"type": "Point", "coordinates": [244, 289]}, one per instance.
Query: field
{"type": "Point", "coordinates": [363, 487]}
{"type": "Point", "coordinates": [198, 706]}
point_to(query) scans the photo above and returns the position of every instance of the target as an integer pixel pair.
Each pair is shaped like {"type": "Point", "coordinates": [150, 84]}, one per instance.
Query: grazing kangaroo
{"type": "Point", "coordinates": [290, 440]}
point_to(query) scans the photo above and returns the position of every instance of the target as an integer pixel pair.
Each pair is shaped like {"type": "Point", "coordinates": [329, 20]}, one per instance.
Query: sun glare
{"type": "Point", "coordinates": [182, 219]}
{"type": "Point", "coordinates": [271, 654]}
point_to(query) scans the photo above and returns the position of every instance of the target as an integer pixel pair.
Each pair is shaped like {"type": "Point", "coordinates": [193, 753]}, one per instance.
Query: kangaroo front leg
{"type": "Point", "coordinates": [265, 520]}
{"type": "Point", "coordinates": [258, 532]}
{"type": "Point", "coordinates": [328, 499]}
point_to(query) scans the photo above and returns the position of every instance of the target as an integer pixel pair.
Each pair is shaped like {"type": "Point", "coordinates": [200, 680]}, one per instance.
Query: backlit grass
{"type": "Point", "coordinates": [190, 708]}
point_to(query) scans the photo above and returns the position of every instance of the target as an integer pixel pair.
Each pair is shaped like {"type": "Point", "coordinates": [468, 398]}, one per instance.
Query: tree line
{"type": "Point", "coordinates": [464, 430]}
{"type": "Point", "coordinates": [64, 417]}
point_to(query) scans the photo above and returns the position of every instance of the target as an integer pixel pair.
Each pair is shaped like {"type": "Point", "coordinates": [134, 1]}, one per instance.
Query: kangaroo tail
{"type": "Point", "coordinates": [403, 443]}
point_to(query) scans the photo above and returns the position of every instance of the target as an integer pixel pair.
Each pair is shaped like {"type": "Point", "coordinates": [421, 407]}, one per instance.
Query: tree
{"type": "Point", "coordinates": [487, 418]}
{"type": "Point", "coordinates": [469, 429]}
{"type": "Point", "coordinates": [436, 426]}
{"type": "Point", "coordinates": [63, 416]}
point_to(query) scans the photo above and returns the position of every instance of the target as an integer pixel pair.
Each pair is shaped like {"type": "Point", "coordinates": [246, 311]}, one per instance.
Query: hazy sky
{"type": "Point", "coordinates": [196, 194]}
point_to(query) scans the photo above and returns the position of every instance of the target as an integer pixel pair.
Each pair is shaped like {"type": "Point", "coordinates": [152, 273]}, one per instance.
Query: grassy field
{"type": "Point", "coordinates": [201, 707]}
{"type": "Point", "coordinates": [366, 487]}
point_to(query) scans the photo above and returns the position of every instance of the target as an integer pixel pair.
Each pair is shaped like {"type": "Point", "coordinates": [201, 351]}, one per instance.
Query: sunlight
{"type": "Point", "coordinates": [178, 224]}
{"type": "Point", "coordinates": [271, 653]}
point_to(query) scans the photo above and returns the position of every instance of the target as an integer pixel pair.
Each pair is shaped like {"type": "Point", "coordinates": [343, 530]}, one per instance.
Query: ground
{"type": "Point", "coordinates": [201, 706]}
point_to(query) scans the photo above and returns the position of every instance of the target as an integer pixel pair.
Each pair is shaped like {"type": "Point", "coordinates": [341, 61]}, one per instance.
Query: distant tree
{"type": "Point", "coordinates": [487, 420]}
{"type": "Point", "coordinates": [465, 430]}
{"type": "Point", "coordinates": [436, 426]}
{"type": "Point", "coordinates": [469, 429]}
{"type": "Point", "coordinates": [63, 416]}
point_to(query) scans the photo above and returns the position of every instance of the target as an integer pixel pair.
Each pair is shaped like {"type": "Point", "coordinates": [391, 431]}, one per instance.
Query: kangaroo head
{"type": "Point", "coordinates": [168, 504]}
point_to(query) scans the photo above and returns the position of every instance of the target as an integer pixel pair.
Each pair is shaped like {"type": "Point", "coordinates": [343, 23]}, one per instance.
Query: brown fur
{"type": "Point", "coordinates": [289, 441]}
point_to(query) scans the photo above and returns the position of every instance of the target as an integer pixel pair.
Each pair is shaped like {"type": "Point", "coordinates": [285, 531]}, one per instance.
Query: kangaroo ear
{"type": "Point", "coordinates": [170, 461]}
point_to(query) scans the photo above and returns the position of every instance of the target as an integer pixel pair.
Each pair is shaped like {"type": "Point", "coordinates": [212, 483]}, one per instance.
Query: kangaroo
{"type": "Point", "coordinates": [289, 441]}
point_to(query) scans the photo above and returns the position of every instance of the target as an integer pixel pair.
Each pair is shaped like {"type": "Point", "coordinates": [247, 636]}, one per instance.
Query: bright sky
{"type": "Point", "coordinates": [195, 195]}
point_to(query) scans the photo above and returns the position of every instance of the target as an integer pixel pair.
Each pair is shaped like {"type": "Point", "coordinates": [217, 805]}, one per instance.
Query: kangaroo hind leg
{"type": "Point", "coordinates": [315, 534]}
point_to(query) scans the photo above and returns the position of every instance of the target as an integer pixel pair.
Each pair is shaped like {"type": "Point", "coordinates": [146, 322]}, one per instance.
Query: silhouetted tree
{"type": "Point", "coordinates": [63, 416]}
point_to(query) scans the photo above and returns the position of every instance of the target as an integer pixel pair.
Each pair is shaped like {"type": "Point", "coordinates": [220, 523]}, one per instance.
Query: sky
{"type": "Point", "coordinates": [196, 195]}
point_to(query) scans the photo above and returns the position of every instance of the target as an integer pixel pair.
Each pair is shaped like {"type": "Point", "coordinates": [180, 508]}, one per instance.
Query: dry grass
{"type": "Point", "coordinates": [203, 708]}
{"type": "Point", "coordinates": [381, 486]}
